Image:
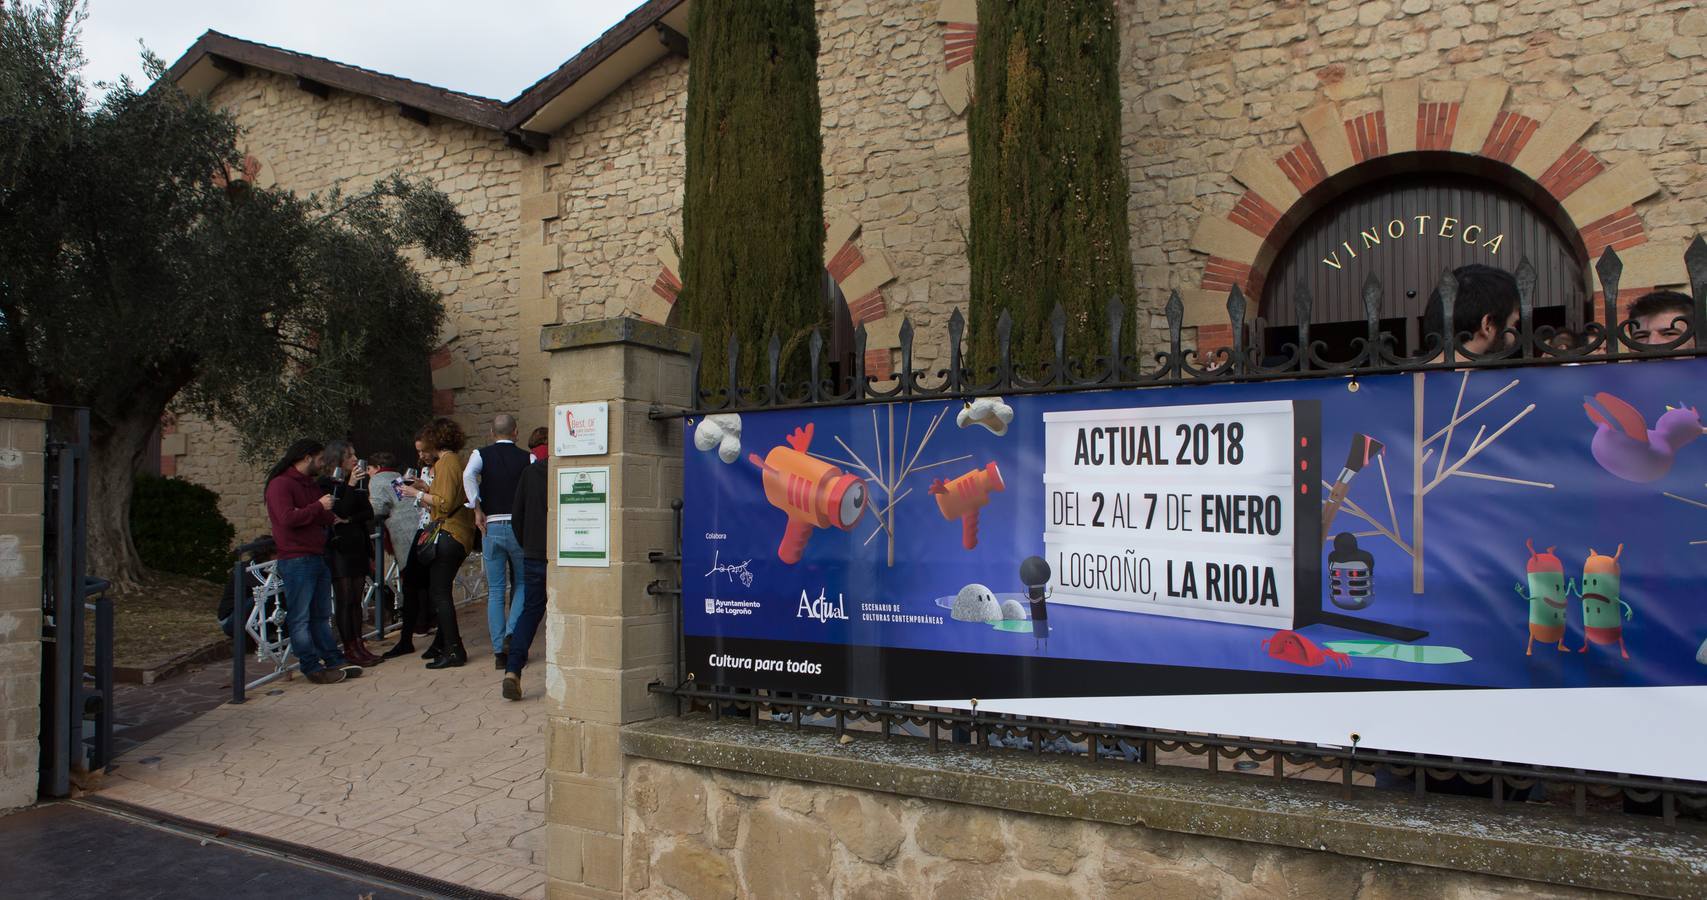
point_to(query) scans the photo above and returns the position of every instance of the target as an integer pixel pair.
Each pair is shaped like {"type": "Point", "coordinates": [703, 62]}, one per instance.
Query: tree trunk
{"type": "Point", "coordinates": [115, 452]}
{"type": "Point", "coordinates": [1048, 189]}
{"type": "Point", "coordinates": [753, 212]}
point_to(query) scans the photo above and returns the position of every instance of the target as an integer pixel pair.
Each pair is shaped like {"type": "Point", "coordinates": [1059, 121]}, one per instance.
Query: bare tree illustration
{"type": "Point", "coordinates": [892, 469]}
{"type": "Point", "coordinates": [1422, 484]}
{"type": "Point", "coordinates": [1695, 503]}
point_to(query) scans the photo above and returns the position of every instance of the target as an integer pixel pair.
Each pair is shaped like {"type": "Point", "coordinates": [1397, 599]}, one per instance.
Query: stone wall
{"type": "Point", "coordinates": [23, 440]}
{"type": "Point", "coordinates": [1205, 82]}
{"type": "Point", "coordinates": [308, 144]}
{"type": "Point", "coordinates": [709, 835]}
{"type": "Point", "coordinates": [1206, 85]}
{"type": "Point", "coordinates": [894, 160]}
{"type": "Point", "coordinates": [1203, 87]}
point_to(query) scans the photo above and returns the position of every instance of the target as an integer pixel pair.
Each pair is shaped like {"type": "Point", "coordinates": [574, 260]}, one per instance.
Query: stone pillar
{"type": "Point", "coordinates": [607, 638]}
{"type": "Point", "coordinates": [23, 440]}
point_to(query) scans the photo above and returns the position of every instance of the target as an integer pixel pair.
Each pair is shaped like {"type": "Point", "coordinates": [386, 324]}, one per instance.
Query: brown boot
{"type": "Point", "coordinates": [364, 656]}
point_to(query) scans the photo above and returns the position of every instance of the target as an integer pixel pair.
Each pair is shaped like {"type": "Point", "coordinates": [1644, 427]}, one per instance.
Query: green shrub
{"type": "Point", "coordinates": [178, 528]}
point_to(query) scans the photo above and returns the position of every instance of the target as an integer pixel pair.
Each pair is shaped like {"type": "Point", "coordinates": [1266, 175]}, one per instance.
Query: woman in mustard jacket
{"type": "Point", "coordinates": [450, 531]}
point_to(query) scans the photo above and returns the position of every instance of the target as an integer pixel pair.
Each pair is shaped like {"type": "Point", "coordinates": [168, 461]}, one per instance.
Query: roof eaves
{"type": "Point", "coordinates": [481, 112]}
{"type": "Point", "coordinates": [636, 23]}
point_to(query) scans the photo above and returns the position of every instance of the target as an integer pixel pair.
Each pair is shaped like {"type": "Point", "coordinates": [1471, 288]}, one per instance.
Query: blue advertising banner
{"type": "Point", "coordinates": [1501, 563]}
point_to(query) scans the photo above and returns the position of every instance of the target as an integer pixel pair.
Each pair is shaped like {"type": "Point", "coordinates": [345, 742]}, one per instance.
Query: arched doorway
{"type": "Point", "coordinates": [1405, 230]}
{"type": "Point", "coordinates": [1446, 132]}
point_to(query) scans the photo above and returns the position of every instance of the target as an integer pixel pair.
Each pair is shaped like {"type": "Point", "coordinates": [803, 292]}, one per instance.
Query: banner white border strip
{"type": "Point", "coordinates": [1654, 731]}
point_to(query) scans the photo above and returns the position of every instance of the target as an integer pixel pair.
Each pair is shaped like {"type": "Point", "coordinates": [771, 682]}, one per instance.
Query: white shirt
{"type": "Point", "coordinates": [471, 482]}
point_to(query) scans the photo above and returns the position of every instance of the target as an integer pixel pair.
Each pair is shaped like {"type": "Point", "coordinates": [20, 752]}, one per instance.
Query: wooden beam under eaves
{"type": "Point", "coordinates": [313, 87]}
{"type": "Point", "coordinates": [529, 142]}
{"type": "Point", "coordinates": [673, 40]}
{"type": "Point", "coordinates": [228, 65]}
{"type": "Point", "coordinates": [414, 113]}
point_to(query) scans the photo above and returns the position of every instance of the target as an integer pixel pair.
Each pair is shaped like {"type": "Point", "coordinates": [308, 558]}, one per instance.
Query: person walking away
{"type": "Point", "coordinates": [490, 480]}
{"type": "Point", "coordinates": [449, 535]}
{"type": "Point", "coordinates": [349, 550]}
{"type": "Point", "coordinates": [530, 517]}
{"type": "Point", "coordinates": [537, 441]}
{"type": "Point", "coordinates": [300, 512]}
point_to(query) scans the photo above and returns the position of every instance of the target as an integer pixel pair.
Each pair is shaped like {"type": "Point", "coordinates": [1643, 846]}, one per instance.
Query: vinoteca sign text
{"type": "Point", "coordinates": [1185, 511]}
{"type": "Point", "coordinates": [1419, 226]}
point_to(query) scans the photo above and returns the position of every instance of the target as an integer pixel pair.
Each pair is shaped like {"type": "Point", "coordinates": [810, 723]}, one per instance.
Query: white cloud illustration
{"type": "Point", "coordinates": [721, 432]}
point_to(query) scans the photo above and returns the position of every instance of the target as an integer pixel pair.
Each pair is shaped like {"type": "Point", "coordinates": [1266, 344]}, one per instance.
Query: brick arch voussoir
{"type": "Point", "coordinates": [859, 268]}
{"type": "Point", "coordinates": [1598, 198]}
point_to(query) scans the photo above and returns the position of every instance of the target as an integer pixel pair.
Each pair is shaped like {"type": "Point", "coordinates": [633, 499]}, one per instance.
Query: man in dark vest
{"type": "Point", "coordinates": [531, 519]}
{"type": "Point", "coordinates": [490, 480]}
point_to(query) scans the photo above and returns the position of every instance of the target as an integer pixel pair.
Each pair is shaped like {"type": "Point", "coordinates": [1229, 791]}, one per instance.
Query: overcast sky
{"type": "Point", "coordinates": [494, 48]}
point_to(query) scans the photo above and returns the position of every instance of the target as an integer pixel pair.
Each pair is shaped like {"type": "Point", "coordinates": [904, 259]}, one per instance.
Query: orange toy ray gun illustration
{"type": "Point", "coordinates": [812, 492]}
{"type": "Point", "coordinates": [964, 496]}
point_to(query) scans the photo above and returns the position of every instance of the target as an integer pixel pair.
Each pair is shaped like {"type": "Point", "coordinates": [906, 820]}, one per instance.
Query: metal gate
{"type": "Point", "coordinates": [77, 709]}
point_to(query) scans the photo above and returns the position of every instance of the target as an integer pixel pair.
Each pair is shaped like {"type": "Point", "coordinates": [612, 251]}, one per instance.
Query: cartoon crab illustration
{"type": "Point", "coordinates": [1297, 649]}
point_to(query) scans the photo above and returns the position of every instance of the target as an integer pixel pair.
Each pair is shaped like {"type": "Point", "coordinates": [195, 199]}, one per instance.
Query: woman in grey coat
{"type": "Point", "coordinates": [401, 518]}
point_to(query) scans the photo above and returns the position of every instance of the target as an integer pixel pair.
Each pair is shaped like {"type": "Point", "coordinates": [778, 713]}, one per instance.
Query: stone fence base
{"type": "Point", "coordinates": [724, 810]}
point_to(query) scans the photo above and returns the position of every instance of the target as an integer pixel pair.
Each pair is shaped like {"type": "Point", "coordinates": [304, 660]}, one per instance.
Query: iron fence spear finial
{"type": "Point", "coordinates": [1303, 306]}
{"type": "Point", "coordinates": [773, 352]}
{"type": "Point", "coordinates": [1526, 307]}
{"type": "Point", "coordinates": [734, 350]}
{"type": "Point", "coordinates": [1176, 320]}
{"type": "Point", "coordinates": [906, 373]}
{"type": "Point", "coordinates": [1058, 333]}
{"type": "Point", "coordinates": [1611, 270]}
{"type": "Point", "coordinates": [1695, 260]}
{"type": "Point", "coordinates": [1236, 318]}
{"type": "Point", "coordinates": [1113, 313]}
{"type": "Point", "coordinates": [956, 327]}
{"type": "Point", "coordinates": [1447, 288]}
{"type": "Point", "coordinates": [815, 347]}
{"type": "Point", "coordinates": [1371, 295]}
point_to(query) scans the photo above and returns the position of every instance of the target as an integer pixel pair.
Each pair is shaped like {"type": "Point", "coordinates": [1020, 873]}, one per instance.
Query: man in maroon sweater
{"type": "Point", "coordinates": [300, 513]}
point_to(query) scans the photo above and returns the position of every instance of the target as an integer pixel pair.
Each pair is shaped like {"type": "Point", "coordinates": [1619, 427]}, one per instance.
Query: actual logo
{"type": "Point", "coordinates": [823, 609]}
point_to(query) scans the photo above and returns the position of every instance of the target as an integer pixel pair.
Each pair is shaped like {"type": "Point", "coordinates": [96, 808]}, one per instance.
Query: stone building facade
{"type": "Point", "coordinates": [1241, 121]}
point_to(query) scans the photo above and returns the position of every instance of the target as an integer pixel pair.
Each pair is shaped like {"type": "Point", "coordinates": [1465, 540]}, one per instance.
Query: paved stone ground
{"type": "Point", "coordinates": [428, 771]}
{"type": "Point", "coordinates": [145, 711]}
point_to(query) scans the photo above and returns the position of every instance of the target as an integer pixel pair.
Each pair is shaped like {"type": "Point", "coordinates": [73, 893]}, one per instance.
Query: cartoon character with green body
{"type": "Point", "coordinates": [1601, 602]}
{"type": "Point", "coordinates": [1547, 597]}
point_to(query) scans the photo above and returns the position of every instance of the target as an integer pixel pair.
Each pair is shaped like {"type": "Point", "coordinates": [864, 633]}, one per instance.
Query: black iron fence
{"type": "Point", "coordinates": [1608, 337]}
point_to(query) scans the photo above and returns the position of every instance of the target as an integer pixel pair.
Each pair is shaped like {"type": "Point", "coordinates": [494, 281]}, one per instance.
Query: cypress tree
{"type": "Point", "coordinates": [753, 218]}
{"type": "Point", "coordinates": [1048, 185]}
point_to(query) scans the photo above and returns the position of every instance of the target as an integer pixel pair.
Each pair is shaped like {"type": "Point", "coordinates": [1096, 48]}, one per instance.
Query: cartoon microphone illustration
{"type": "Point", "coordinates": [1363, 449]}
{"type": "Point", "coordinates": [964, 496]}
{"type": "Point", "coordinates": [813, 493]}
{"type": "Point", "coordinates": [1034, 573]}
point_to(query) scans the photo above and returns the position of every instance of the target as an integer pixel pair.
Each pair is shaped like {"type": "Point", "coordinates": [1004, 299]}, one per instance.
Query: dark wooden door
{"type": "Point", "coordinates": [1406, 230]}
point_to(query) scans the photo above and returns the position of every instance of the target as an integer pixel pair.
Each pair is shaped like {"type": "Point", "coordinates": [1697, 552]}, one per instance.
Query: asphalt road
{"type": "Point", "coordinates": [65, 850]}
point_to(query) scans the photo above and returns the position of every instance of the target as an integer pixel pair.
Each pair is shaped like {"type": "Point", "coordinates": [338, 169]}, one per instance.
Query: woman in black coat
{"type": "Point", "coordinates": [349, 548]}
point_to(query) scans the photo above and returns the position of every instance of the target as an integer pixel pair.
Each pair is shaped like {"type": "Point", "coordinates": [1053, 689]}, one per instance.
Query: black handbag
{"type": "Point", "coordinates": [427, 545]}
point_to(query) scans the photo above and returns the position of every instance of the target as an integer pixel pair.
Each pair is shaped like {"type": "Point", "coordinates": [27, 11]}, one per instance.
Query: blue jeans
{"type": "Point", "coordinates": [308, 613]}
{"type": "Point", "coordinates": [533, 610]}
{"type": "Point", "coordinates": [503, 575]}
